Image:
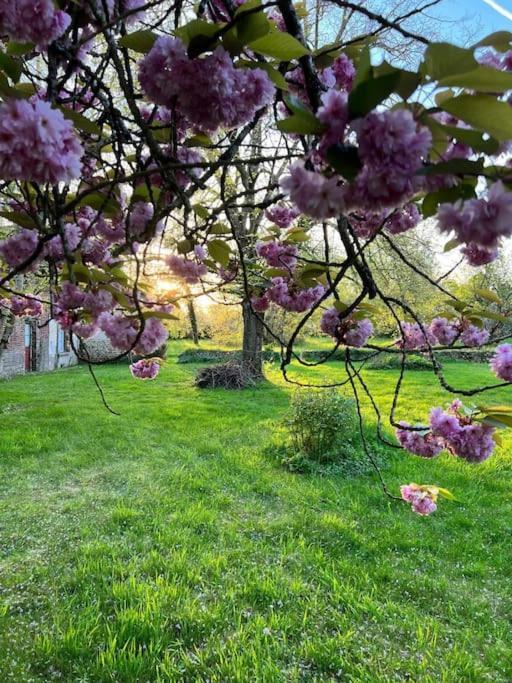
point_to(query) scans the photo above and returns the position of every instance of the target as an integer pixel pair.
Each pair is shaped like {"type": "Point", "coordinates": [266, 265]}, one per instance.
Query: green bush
{"type": "Point", "coordinates": [320, 431]}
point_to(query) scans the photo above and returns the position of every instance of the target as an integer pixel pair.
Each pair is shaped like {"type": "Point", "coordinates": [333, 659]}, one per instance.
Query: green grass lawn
{"type": "Point", "coordinates": [164, 545]}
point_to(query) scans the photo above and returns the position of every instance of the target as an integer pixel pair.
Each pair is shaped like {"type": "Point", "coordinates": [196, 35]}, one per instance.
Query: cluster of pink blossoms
{"type": "Point", "coordinates": [441, 331]}
{"type": "Point", "coordinates": [334, 115]}
{"type": "Point", "coordinates": [37, 143]}
{"type": "Point", "coordinates": [366, 223]}
{"type": "Point", "coordinates": [343, 71]}
{"type": "Point", "coordinates": [450, 429]}
{"type": "Point", "coordinates": [501, 362]}
{"type": "Point", "coordinates": [340, 75]}
{"type": "Point", "coordinates": [281, 215]}
{"type": "Point", "coordinates": [23, 306]}
{"type": "Point", "coordinates": [33, 21]}
{"type": "Point", "coordinates": [190, 270]}
{"type": "Point", "coordinates": [19, 247]}
{"type": "Point", "coordinates": [348, 331]}
{"type": "Point", "coordinates": [85, 313]}
{"type": "Point", "coordinates": [422, 498]}
{"type": "Point", "coordinates": [277, 254]}
{"type": "Point", "coordinates": [312, 193]}
{"type": "Point", "coordinates": [209, 91]}
{"type": "Point", "coordinates": [146, 368]}
{"type": "Point", "coordinates": [122, 333]}
{"type": "Point", "coordinates": [480, 223]}
{"type": "Point", "coordinates": [392, 147]}
{"type": "Point", "coordinates": [286, 293]}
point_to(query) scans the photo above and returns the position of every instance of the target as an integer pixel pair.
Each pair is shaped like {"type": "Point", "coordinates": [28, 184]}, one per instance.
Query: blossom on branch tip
{"type": "Point", "coordinates": [348, 331]}
{"type": "Point", "coordinates": [501, 362]}
{"type": "Point", "coordinates": [312, 193]}
{"type": "Point", "coordinates": [147, 368]}
{"type": "Point", "coordinates": [422, 498]}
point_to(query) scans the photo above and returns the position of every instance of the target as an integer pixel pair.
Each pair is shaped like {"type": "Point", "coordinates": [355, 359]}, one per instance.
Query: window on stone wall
{"type": "Point", "coordinates": [62, 342]}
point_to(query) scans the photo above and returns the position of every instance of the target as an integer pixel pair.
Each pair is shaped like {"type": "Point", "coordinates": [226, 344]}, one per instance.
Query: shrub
{"type": "Point", "coordinates": [320, 433]}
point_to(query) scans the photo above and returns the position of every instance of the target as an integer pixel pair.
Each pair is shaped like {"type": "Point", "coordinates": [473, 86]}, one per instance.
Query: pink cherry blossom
{"type": "Point", "coordinates": [19, 247]}
{"type": "Point", "coordinates": [209, 91]}
{"type": "Point", "coordinates": [501, 362]}
{"type": "Point", "coordinates": [313, 193]}
{"type": "Point", "coordinates": [147, 368]}
{"type": "Point", "coordinates": [37, 143]}
{"type": "Point", "coordinates": [33, 21]}
{"type": "Point", "coordinates": [25, 306]}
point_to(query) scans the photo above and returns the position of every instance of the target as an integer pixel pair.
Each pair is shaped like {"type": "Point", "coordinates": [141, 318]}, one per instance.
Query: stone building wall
{"type": "Point", "coordinates": [47, 349]}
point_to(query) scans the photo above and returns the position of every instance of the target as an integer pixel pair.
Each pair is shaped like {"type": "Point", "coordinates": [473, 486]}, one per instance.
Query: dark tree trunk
{"type": "Point", "coordinates": [193, 321]}
{"type": "Point", "coordinates": [252, 342]}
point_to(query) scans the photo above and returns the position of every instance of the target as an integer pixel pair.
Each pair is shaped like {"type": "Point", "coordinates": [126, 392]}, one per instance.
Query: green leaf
{"type": "Point", "coordinates": [19, 49]}
{"type": "Point", "coordinates": [506, 410]}
{"type": "Point", "coordinates": [109, 206]}
{"type": "Point", "coordinates": [160, 315]}
{"type": "Point", "coordinates": [452, 244]}
{"type": "Point", "coordinates": [407, 82]}
{"type": "Point", "coordinates": [483, 112]}
{"type": "Point", "coordinates": [220, 229]}
{"type": "Point", "coordinates": [457, 305]}
{"type": "Point", "coordinates": [297, 236]}
{"type": "Point", "coordinates": [81, 122]}
{"type": "Point", "coordinates": [201, 211]}
{"type": "Point", "coordinates": [10, 66]}
{"type": "Point", "coordinates": [364, 66]}
{"type": "Point", "coordinates": [500, 40]}
{"type": "Point", "coordinates": [312, 271]}
{"type": "Point", "coordinates": [453, 167]}
{"type": "Point", "coordinates": [449, 194]}
{"type": "Point", "coordinates": [197, 28]}
{"type": "Point", "coordinates": [139, 41]}
{"type": "Point", "coordinates": [184, 246]}
{"type": "Point", "coordinates": [481, 79]}
{"type": "Point", "coordinates": [19, 218]}
{"type": "Point", "coordinates": [490, 315]}
{"type": "Point", "coordinates": [143, 193]}
{"type": "Point", "coordinates": [281, 46]}
{"type": "Point", "coordinates": [301, 121]}
{"type": "Point", "coordinates": [498, 420]}
{"type": "Point", "coordinates": [443, 59]}
{"type": "Point", "coordinates": [345, 160]}
{"type": "Point", "coordinates": [220, 251]}
{"type": "Point", "coordinates": [497, 439]}
{"type": "Point", "coordinates": [445, 493]}
{"type": "Point", "coordinates": [474, 138]}
{"type": "Point", "coordinates": [368, 94]}
{"type": "Point", "coordinates": [252, 26]}
{"type": "Point", "coordinates": [488, 295]}
{"type": "Point", "coordinates": [199, 140]}
{"type": "Point", "coordinates": [22, 91]}
{"type": "Point", "coordinates": [340, 306]}
{"type": "Point", "coordinates": [276, 272]}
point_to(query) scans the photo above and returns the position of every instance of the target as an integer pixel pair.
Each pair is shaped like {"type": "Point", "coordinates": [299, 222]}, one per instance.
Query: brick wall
{"type": "Point", "coordinates": [12, 360]}
{"type": "Point", "coordinates": [45, 353]}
